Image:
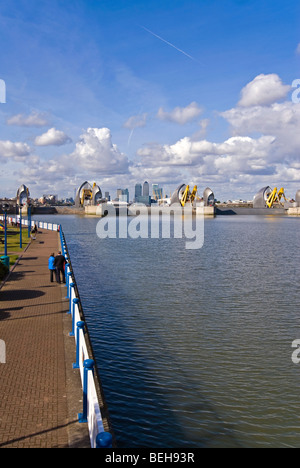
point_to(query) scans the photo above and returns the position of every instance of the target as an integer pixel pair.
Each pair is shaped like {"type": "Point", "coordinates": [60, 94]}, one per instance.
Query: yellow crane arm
{"type": "Point", "coordinates": [86, 195]}
{"type": "Point", "coordinates": [281, 194]}
{"type": "Point", "coordinates": [275, 197]}
{"type": "Point", "coordinates": [185, 196]}
{"type": "Point", "coordinates": [194, 193]}
{"type": "Point", "coordinates": [272, 198]}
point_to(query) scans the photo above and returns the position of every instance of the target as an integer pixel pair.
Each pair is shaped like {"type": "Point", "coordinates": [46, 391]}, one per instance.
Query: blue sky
{"type": "Point", "coordinates": [122, 92]}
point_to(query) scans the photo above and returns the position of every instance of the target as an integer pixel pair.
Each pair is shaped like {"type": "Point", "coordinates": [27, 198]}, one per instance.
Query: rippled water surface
{"type": "Point", "coordinates": [194, 346]}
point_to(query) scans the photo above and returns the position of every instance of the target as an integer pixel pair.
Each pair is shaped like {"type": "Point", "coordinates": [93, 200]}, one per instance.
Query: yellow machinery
{"type": "Point", "coordinates": [275, 197]}
{"type": "Point", "coordinates": [188, 196]}
{"type": "Point", "coordinates": [87, 194]}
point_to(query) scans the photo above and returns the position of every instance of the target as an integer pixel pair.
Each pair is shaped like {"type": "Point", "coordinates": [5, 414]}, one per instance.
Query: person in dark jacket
{"type": "Point", "coordinates": [59, 263]}
{"type": "Point", "coordinates": [51, 266]}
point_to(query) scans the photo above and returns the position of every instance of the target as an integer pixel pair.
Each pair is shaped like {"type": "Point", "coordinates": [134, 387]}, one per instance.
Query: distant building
{"type": "Point", "coordinates": [141, 194]}
{"type": "Point", "coordinates": [137, 191]}
{"type": "Point", "coordinates": [157, 192]}
{"type": "Point", "coordinates": [107, 196]}
{"type": "Point", "coordinates": [123, 195]}
{"type": "Point", "coordinates": [50, 199]}
{"type": "Point", "coordinates": [146, 189]}
{"type": "Point", "coordinates": [146, 200]}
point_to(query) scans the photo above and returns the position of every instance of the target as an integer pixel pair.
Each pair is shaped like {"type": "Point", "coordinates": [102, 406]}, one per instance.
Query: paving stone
{"type": "Point", "coordinates": [33, 383]}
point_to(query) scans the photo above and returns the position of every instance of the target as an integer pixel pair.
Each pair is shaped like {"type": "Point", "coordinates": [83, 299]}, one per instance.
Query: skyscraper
{"type": "Point", "coordinates": [137, 191]}
{"type": "Point", "coordinates": [146, 189]}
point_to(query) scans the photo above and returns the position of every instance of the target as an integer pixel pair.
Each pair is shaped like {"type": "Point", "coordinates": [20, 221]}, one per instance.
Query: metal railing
{"type": "Point", "coordinates": [91, 412]}
{"type": "Point", "coordinates": [25, 222]}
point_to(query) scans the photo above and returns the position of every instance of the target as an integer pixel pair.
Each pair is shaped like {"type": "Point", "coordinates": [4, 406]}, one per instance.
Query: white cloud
{"type": "Point", "coordinates": [204, 123]}
{"type": "Point", "coordinates": [95, 158]}
{"type": "Point", "coordinates": [235, 155]}
{"type": "Point", "coordinates": [181, 115]}
{"type": "Point", "coordinates": [52, 137]}
{"type": "Point", "coordinates": [298, 49]}
{"type": "Point", "coordinates": [263, 149]}
{"type": "Point", "coordinates": [13, 151]}
{"type": "Point", "coordinates": [279, 120]}
{"type": "Point", "coordinates": [96, 153]}
{"type": "Point", "coordinates": [239, 155]}
{"type": "Point", "coordinates": [136, 121]}
{"type": "Point", "coordinates": [35, 119]}
{"type": "Point", "coordinates": [263, 91]}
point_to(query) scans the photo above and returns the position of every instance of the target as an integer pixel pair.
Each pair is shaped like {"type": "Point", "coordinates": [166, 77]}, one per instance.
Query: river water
{"type": "Point", "coordinates": [194, 347]}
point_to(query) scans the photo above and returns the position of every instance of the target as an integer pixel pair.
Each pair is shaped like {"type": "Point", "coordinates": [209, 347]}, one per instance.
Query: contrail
{"type": "Point", "coordinates": [170, 44]}
{"type": "Point", "coordinates": [130, 136]}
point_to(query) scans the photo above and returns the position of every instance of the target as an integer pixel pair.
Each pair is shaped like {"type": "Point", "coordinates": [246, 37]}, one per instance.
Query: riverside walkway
{"type": "Point", "coordinates": [40, 393]}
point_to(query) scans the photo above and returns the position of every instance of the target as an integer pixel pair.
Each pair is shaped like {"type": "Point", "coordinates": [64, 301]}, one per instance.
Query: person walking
{"type": "Point", "coordinates": [51, 266]}
{"type": "Point", "coordinates": [59, 263]}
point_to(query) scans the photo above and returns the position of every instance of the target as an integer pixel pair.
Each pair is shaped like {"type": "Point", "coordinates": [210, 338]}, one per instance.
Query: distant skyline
{"type": "Point", "coordinates": [201, 93]}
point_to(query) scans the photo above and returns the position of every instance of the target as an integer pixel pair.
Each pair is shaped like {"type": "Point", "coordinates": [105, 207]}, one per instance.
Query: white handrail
{"type": "Point", "coordinates": [39, 224]}
{"type": "Point", "coordinates": [94, 417]}
{"type": "Point", "coordinates": [93, 411]}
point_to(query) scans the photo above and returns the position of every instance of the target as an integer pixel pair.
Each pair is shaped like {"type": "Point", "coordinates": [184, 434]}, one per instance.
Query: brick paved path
{"type": "Point", "coordinates": [33, 381]}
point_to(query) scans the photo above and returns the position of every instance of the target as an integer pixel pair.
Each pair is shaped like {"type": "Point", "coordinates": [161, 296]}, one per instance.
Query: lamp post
{"type": "Point", "coordinates": [20, 211]}
{"type": "Point", "coordinates": [5, 207]}
{"type": "Point", "coordinates": [29, 219]}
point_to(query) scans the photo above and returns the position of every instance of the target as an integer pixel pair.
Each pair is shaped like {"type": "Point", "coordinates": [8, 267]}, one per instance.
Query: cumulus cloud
{"type": "Point", "coordinates": [52, 137]}
{"type": "Point", "coordinates": [237, 154]}
{"type": "Point", "coordinates": [263, 149]}
{"type": "Point", "coordinates": [263, 91]}
{"type": "Point", "coordinates": [95, 158]}
{"type": "Point", "coordinates": [35, 119]}
{"type": "Point", "coordinates": [281, 120]}
{"type": "Point", "coordinates": [96, 153]}
{"type": "Point", "coordinates": [181, 115]}
{"type": "Point", "coordinates": [245, 155]}
{"type": "Point", "coordinates": [13, 151]}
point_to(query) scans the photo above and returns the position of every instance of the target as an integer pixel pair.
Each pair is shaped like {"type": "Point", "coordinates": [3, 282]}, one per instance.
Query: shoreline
{"type": "Point", "coordinates": [217, 210]}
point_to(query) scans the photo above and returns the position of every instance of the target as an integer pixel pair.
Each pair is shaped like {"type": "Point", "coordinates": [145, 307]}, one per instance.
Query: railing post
{"type": "Point", "coordinates": [75, 301]}
{"type": "Point", "coordinates": [104, 440]}
{"type": "Point", "coordinates": [80, 326]}
{"type": "Point", "coordinates": [88, 365]}
{"type": "Point", "coordinates": [68, 277]}
{"type": "Point", "coordinates": [66, 272]}
{"type": "Point", "coordinates": [72, 285]}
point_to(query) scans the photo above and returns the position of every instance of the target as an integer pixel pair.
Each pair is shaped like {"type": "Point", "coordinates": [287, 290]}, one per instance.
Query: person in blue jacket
{"type": "Point", "coordinates": [51, 266]}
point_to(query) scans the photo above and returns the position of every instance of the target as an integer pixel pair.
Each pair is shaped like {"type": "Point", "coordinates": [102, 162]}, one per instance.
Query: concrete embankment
{"type": "Point", "coordinates": [294, 211]}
